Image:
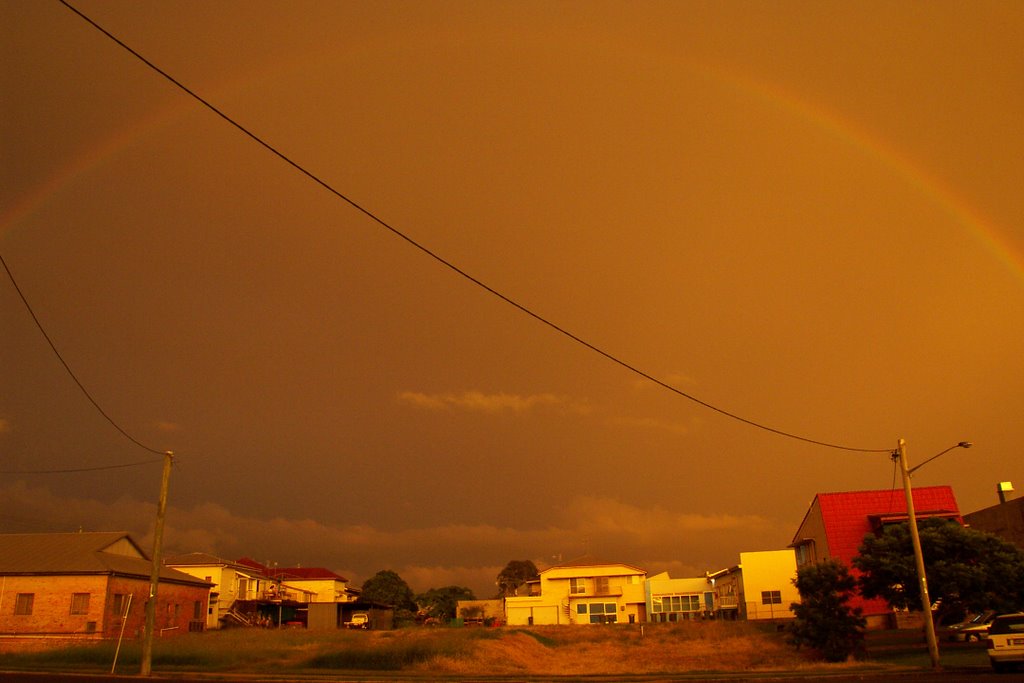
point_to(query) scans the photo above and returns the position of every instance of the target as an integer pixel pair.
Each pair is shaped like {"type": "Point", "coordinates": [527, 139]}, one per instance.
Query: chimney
{"type": "Point", "coordinates": [1002, 489]}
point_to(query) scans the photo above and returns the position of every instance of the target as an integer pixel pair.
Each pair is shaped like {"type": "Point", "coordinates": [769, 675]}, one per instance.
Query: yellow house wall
{"type": "Point", "coordinates": [533, 610]}
{"type": "Point", "coordinates": [224, 583]}
{"type": "Point", "coordinates": [556, 605]}
{"type": "Point", "coordinates": [770, 570]}
{"type": "Point", "coordinates": [320, 590]}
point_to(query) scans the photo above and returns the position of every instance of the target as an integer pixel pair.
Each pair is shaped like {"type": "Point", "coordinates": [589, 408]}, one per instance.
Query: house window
{"type": "Point", "coordinates": [243, 588]}
{"type": "Point", "coordinates": [581, 608]}
{"type": "Point", "coordinates": [197, 610]}
{"type": "Point", "coordinates": [79, 603]}
{"type": "Point", "coordinates": [120, 604]}
{"type": "Point", "coordinates": [601, 585]}
{"type": "Point", "coordinates": [771, 597]}
{"type": "Point", "coordinates": [23, 603]}
{"type": "Point", "coordinates": [603, 613]}
{"type": "Point", "coordinates": [90, 627]}
{"type": "Point", "coordinates": [577, 585]}
{"type": "Point", "coordinates": [675, 603]}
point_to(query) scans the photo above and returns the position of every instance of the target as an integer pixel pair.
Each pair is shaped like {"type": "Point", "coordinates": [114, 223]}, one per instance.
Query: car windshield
{"type": "Point", "coordinates": [1014, 624]}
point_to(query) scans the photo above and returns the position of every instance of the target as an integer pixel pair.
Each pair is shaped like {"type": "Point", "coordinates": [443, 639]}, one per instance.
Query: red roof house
{"type": "Point", "coordinates": [324, 584]}
{"type": "Point", "coordinates": [836, 523]}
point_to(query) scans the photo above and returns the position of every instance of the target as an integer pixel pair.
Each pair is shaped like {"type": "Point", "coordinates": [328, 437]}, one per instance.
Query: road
{"type": "Point", "coordinates": [972, 674]}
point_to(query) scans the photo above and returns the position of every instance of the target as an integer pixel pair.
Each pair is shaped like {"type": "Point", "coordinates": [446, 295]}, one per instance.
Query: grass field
{"type": "Point", "coordinates": [690, 647]}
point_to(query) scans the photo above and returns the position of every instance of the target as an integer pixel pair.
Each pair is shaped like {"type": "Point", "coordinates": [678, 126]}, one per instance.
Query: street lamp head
{"type": "Point", "coordinates": [965, 444]}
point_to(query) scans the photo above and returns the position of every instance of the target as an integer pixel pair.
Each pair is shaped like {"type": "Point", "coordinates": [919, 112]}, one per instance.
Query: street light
{"type": "Point", "coordinates": [926, 604]}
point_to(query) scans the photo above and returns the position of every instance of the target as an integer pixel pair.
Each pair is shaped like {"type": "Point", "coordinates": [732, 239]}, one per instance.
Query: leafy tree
{"type": "Point", "coordinates": [441, 603]}
{"type": "Point", "coordinates": [514, 575]}
{"type": "Point", "coordinates": [824, 620]}
{"type": "Point", "coordinates": [967, 569]}
{"type": "Point", "coordinates": [388, 588]}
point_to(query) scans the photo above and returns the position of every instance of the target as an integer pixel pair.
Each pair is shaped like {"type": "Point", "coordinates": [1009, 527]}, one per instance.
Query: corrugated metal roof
{"type": "Point", "coordinates": [591, 561]}
{"type": "Point", "coordinates": [92, 552]}
{"type": "Point", "coordinates": [198, 559]}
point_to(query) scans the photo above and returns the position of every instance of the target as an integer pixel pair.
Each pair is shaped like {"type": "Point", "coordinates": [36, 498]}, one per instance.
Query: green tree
{"type": "Point", "coordinates": [514, 575]}
{"type": "Point", "coordinates": [824, 620]}
{"type": "Point", "coordinates": [441, 603]}
{"type": "Point", "coordinates": [967, 569]}
{"type": "Point", "coordinates": [388, 588]}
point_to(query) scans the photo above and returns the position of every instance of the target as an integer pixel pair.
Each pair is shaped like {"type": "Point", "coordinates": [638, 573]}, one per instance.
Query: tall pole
{"type": "Point", "coordinates": [146, 668]}
{"type": "Point", "coordinates": [915, 538]}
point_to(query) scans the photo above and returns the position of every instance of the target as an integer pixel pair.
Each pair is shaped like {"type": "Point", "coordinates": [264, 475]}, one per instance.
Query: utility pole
{"type": "Point", "coordinates": [915, 538]}
{"type": "Point", "coordinates": [926, 602]}
{"type": "Point", "coordinates": [146, 668]}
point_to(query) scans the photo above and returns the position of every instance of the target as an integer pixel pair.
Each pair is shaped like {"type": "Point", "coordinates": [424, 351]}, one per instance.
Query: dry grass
{"type": "Point", "coordinates": [533, 651]}
{"type": "Point", "coordinates": [660, 648]}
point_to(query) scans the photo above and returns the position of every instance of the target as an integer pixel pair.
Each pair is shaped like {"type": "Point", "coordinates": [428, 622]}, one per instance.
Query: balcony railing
{"type": "Point", "coordinates": [279, 595]}
{"type": "Point", "coordinates": [598, 592]}
{"type": "Point", "coordinates": [728, 601]}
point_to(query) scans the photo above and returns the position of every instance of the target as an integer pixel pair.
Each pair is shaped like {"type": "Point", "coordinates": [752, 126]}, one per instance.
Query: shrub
{"type": "Point", "coordinates": [824, 620]}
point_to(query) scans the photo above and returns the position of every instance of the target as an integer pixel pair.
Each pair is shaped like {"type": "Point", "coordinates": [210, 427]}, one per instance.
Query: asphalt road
{"type": "Point", "coordinates": [972, 674]}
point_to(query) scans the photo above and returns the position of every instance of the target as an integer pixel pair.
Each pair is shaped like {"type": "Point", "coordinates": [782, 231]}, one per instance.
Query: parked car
{"type": "Point", "coordinates": [359, 620]}
{"type": "Point", "coordinates": [972, 629]}
{"type": "Point", "coordinates": [1006, 641]}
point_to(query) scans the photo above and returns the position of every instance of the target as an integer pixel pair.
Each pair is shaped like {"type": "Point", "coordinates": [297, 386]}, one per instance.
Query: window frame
{"type": "Point", "coordinates": [118, 604]}
{"type": "Point", "coordinates": [23, 604]}
{"type": "Point", "coordinates": [79, 604]}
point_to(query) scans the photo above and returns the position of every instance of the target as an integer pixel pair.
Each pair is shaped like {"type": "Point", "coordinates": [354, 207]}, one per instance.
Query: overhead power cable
{"type": "Point", "coordinates": [85, 469]}
{"type": "Point", "coordinates": [81, 387]}
{"type": "Point", "coordinates": [448, 264]}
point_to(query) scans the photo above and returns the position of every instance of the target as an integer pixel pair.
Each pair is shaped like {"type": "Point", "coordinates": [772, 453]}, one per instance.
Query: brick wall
{"type": "Point", "coordinates": [52, 604]}
{"type": "Point", "coordinates": [53, 599]}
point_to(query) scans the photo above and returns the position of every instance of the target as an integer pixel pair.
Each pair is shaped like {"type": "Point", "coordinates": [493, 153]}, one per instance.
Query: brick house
{"type": "Point", "coordinates": [62, 587]}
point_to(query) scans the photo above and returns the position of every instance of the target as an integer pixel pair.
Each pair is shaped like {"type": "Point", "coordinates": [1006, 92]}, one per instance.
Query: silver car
{"type": "Point", "coordinates": [972, 630]}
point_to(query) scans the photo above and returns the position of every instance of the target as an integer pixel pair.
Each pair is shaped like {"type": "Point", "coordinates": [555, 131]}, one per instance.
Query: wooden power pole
{"type": "Point", "coordinates": [146, 668]}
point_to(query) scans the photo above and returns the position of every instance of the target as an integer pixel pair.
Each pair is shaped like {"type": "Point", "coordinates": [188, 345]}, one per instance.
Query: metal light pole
{"type": "Point", "coordinates": [915, 538]}
{"type": "Point", "coordinates": [146, 667]}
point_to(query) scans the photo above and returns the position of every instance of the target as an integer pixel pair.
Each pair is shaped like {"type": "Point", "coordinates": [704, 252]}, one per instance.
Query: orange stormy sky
{"type": "Point", "coordinates": [808, 214]}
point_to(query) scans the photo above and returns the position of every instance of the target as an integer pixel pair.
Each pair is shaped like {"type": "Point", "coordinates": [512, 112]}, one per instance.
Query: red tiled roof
{"type": "Point", "coordinates": [846, 515]}
{"type": "Point", "coordinates": [292, 572]}
{"type": "Point", "coordinates": [306, 573]}
{"type": "Point", "coordinates": [251, 563]}
{"type": "Point", "coordinates": [849, 516]}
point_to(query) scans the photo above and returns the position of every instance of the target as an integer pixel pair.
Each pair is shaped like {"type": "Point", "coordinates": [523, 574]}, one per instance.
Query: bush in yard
{"type": "Point", "coordinates": [824, 620]}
